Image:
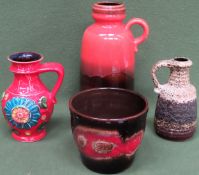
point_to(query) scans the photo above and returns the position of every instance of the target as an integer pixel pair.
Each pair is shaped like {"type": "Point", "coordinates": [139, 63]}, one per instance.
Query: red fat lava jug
{"type": "Point", "coordinates": [108, 48]}
{"type": "Point", "coordinates": [27, 104]}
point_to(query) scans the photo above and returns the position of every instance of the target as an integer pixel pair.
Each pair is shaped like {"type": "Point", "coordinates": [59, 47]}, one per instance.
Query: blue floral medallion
{"type": "Point", "coordinates": [22, 112]}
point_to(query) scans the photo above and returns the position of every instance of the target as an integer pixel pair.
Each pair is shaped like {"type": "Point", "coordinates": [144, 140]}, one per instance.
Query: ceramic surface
{"type": "Point", "coordinates": [27, 103]}
{"type": "Point", "coordinates": [108, 127]}
{"type": "Point", "coordinates": [108, 47]}
{"type": "Point", "coordinates": [176, 109]}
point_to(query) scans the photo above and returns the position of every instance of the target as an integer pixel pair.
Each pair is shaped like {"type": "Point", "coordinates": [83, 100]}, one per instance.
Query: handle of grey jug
{"type": "Point", "coordinates": [141, 22]}
{"type": "Point", "coordinates": [155, 68]}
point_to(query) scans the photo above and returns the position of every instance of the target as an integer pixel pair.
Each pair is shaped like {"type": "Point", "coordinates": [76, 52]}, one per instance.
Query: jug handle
{"type": "Point", "coordinates": [155, 68]}
{"type": "Point", "coordinates": [59, 70]}
{"type": "Point", "coordinates": [145, 27]}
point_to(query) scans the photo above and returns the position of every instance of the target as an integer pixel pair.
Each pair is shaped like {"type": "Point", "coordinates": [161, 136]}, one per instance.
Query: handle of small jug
{"type": "Point", "coordinates": [155, 68]}
{"type": "Point", "coordinates": [59, 70]}
{"type": "Point", "coordinates": [145, 27]}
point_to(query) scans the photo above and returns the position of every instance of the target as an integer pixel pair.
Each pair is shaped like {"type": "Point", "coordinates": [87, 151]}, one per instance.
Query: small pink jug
{"type": "Point", "coordinates": [27, 104]}
{"type": "Point", "coordinates": [108, 48]}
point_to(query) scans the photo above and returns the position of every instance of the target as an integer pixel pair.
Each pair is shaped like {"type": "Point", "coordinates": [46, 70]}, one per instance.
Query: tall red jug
{"type": "Point", "coordinates": [27, 103]}
{"type": "Point", "coordinates": [108, 48]}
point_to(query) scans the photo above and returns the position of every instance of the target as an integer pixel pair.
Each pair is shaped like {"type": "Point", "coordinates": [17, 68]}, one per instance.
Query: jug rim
{"type": "Point", "coordinates": [17, 57]}
{"type": "Point", "coordinates": [181, 61]}
{"type": "Point", "coordinates": [109, 7]}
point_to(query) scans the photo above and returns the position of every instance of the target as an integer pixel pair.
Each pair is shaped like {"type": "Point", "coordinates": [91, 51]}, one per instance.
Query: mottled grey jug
{"type": "Point", "coordinates": [176, 108]}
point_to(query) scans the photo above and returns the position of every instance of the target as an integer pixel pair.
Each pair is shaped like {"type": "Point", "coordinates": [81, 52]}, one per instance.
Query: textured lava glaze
{"type": "Point", "coordinates": [108, 47]}
{"type": "Point", "coordinates": [108, 126]}
{"type": "Point", "coordinates": [175, 120]}
{"type": "Point", "coordinates": [27, 104]}
{"type": "Point", "coordinates": [176, 108]}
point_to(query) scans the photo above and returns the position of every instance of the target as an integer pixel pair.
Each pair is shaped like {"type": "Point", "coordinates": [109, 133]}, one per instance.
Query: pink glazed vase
{"type": "Point", "coordinates": [108, 48]}
{"type": "Point", "coordinates": [27, 104]}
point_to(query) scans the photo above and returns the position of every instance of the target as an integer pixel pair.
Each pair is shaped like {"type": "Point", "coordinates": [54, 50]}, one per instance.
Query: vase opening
{"type": "Point", "coordinates": [109, 8]}
{"type": "Point", "coordinates": [181, 59]}
{"type": "Point", "coordinates": [25, 57]}
{"type": "Point", "coordinates": [109, 3]}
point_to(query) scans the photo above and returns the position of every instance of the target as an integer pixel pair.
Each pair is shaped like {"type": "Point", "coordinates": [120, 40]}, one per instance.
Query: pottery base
{"type": "Point", "coordinates": [33, 138]}
{"type": "Point", "coordinates": [174, 136]}
{"type": "Point", "coordinates": [174, 130]}
{"type": "Point", "coordinates": [111, 166]}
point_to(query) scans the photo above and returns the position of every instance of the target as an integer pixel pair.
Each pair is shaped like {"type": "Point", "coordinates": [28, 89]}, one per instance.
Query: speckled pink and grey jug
{"type": "Point", "coordinates": [176, 108]}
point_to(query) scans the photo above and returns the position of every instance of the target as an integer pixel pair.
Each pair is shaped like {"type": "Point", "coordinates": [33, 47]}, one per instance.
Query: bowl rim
{"type": "Point", "coordinates": [89, 117]}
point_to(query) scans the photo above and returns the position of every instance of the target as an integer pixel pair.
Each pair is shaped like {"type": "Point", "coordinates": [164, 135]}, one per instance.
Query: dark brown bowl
{"type": "Point", "coordinates": [108, 126]}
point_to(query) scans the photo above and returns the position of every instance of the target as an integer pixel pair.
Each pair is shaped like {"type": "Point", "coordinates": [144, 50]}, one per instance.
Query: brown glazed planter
{"type": "Point", "coordinates": [108, 126]}
{"type": "Point", "coordinates": [176, 109]}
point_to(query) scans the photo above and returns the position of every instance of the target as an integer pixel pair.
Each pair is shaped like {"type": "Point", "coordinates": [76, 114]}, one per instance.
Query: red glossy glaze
{"type": "Point", "coordinates": [108, 46]}
{"type": "Point", "coordinates": [27, 103]}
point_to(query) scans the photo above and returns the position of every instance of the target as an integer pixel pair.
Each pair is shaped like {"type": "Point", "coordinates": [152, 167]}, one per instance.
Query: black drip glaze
{"type": "Point", "coordinates": [25, 57]}
{"type": "Point", "coordinates": [108, 105]}
{"type": "Point", "coordinates": [120, 80]}
{"type": "Point", "coordinates": [108, 166]}
{"type": "Point", "coordinates": [125, 129]}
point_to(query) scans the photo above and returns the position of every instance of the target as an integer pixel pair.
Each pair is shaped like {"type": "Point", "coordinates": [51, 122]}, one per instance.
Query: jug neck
{"type": "Point", "coordinates": [179, 77]}
{"type": "Point", "coordinates": [26, 84]}
{"type": "Point", "coordinates": [108, 12]}
{"type": "Point", "coordinates": [24, 68]}
{"type": "Point", "coordinates": [179, 74]}
{"type": "Point", "coordinates": [25, 62]}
